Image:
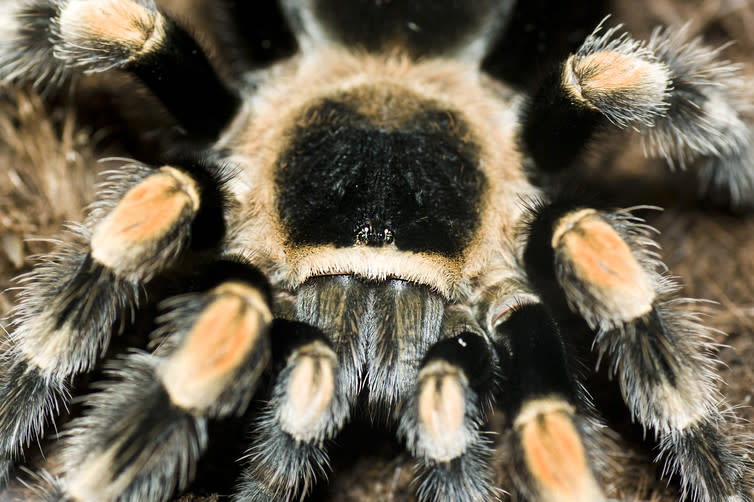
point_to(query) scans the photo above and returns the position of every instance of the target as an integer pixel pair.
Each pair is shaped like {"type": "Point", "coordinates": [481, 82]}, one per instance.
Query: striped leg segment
{"type": "Point", "coordinates": [443, 418]}
{"type": "Point", "coordinates": [45, 40]}
{"type": "Point", "coordinates": [70, 305]}
{"type": "Point", "coordinates": [552, 440]}
{"type": "Point", "coordinates": [686, 103]}
{"type": "Point", "coordinates": [610, 80]}
{"type": "Point", "coordinates": [659, 353]}
{"type": "Point", "coordinates": [707, 118]}
{"type": "Point", "coordinates": [142, 434]}
{"type": "Point", "coordinates": [133, 443]}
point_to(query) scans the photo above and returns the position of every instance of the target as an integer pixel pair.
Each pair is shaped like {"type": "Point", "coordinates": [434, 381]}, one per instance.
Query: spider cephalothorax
{"type": "Point", "coordinates": [367, 223]}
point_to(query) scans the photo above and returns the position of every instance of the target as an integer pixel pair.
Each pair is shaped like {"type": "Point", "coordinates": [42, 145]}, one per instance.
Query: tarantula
{"type": "Point", "coordinates": [367, 223]}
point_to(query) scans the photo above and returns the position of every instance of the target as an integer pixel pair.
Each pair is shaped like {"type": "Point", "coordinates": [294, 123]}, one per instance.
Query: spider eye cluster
{"type": "Point", "coordinates": [367, 234]}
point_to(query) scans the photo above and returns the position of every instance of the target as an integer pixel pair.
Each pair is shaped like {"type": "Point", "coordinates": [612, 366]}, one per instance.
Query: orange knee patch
{"type": "Point", "coordinates": [111, 22]}
{"type": "Point", "coordinates": [607, 72]}
{"type": "Point", "coordinates": [311, 389]}
{"type": "Point", "coordinates": [442, 411]}
{"type": "Point", "coordinates": [147, 213]}
{"type": "Point", "coordinates": [220, 341]}
{"type": "Point", "coordinates": [603, 263]}
{"type": "Point", "coordinates": [554, 453]}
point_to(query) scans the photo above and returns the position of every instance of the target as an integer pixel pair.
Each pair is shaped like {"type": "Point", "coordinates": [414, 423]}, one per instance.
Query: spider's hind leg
{"type": "Point", "coordinates": [603, 266]}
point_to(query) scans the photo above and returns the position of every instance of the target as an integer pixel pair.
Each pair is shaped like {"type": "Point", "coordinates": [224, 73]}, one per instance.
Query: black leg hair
{"type": "Point", "coordinates": [98, 35]}
{"type": "Point", "coordinates": [69, 305]}
{"type": "Point", "coordinates": [604, 266]}
{"type": "Point", "coordinates": [6, 470]}
{"type": "Point", "coordinates": [132, 443]}
{"type": "Point", "coordinates": [142, 434]}
{"type": "Point", "coordinates": [26, 54]}
{"type": "Point", "coordinates": [554, 438]}
{"type": "Point", "coordinates": [29, 399]}
{"type": "Point", "coordinates": [609, 80]}
{"type": "Point", "coordinates": [705, 118]}
{"type": "Point", "coordinates": [685, 103]}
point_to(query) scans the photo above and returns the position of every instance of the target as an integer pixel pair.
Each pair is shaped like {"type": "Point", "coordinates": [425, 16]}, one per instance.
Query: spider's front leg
{"type": "Point", "coordinates": [69, 305]}
{"type": "Point", "coordinates": [49, 42]}
{"type": "Point", "coordinates": [522, 360]}
{"type": "Point", "coordinates": [603, 265]}
{"type": "Point", "coordinates": [142, 434]}
{"type": "Point", "coordinates": [444, 418]}
{"type": "Point", "coordinates": [309, 405]}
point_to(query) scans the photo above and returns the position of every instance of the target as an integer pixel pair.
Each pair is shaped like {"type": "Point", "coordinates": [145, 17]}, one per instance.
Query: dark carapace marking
{"type": "Point", "coordinates": [351, 177]}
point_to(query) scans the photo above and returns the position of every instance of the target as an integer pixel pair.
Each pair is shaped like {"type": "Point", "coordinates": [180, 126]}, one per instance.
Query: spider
{"type": "Point", "coordinates": [366, 223]}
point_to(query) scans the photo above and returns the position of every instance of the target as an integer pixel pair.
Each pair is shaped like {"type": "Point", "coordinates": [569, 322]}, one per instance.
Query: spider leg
{"type": "Point", "coordinates": [443, 418]}
{"type": "Point", "coordinates": [142, 434]}
{"type": "Point", "coordinates": [705, 119]}
{"type": "Point", "coordinates": [308, 407]}
{"type": "Point", "coordinates": [553, 440]}
{"type": "Point", "coordinates": [603, 265]}
{"type": "Point", "coordinates": [46, 41]}
{"type": "Point", "coordinates": [686, 103]}
{"type": "Point", "coordinates": [313, 394]}
{"type": "Point", "coordinates": [366, 334]}
{"type": "Point", "coordinates": [524, 362]}
{"type": "Point", "coordinates": [69, 305]}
